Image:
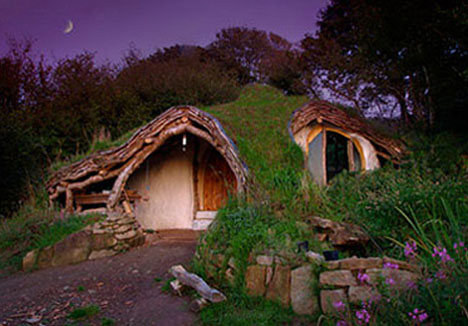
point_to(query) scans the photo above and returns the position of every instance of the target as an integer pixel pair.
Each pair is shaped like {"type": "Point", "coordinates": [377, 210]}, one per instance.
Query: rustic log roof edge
{"type": "Point", "coordinates": [124, 159]}
{"type": "Point", "coordinates": [328, 113]}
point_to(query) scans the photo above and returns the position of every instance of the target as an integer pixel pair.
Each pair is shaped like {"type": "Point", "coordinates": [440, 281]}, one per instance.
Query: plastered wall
{"type": "Point", "coordinates": [165, 180]}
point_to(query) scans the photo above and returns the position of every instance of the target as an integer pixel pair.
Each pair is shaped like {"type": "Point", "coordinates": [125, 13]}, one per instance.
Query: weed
{"type": "Point", "coordinates": [84, 312]}
{"type": "Point", "coordinates": [107, 321]}
{"type": "Point", "coordinates": [167, 285]}
{"type": "Point", "coordinates": [80, 288]}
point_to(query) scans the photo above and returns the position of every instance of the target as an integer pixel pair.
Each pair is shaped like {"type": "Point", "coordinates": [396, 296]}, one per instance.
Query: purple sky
{"type": "Point", "coordinates": [108, 27]}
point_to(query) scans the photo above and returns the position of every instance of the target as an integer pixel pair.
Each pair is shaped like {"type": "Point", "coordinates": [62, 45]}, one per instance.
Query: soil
{"type": "Point", "coordinates": [127, 288]}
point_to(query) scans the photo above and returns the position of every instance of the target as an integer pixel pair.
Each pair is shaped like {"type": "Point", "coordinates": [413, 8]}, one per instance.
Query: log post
{"type": "Point", "coordinates": [69, 200]}
{"type": "Point", "coordinates": [197, 283]}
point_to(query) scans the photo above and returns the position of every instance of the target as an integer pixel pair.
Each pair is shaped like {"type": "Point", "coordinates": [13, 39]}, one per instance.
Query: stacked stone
{"type": "Point", "coordinates": [340, 282]}
{"type": "Point", "coordinates": [277, 280]}
{"type": "Point", "coordinates": [117, 233]}
{"type": "Point", "coordinates": [298, 285]}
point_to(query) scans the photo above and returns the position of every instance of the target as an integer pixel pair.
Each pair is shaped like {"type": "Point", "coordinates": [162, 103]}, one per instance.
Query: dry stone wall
{"type": "Point", "coordinates": [313, 287]}
{"type": "Point", "coordinates": [118, 232]}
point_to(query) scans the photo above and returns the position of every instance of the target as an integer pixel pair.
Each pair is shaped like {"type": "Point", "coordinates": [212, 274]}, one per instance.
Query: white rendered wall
{"type": "Point", "coordinates": [167, 183]}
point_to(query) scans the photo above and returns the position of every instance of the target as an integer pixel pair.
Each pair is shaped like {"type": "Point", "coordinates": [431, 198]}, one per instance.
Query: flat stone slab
{"type": "Point", "coordinates": [304, 301]}
{"type": "Point", "coordinates": [360, 263]}
{"type": "Point", "coordinates": [337, 278]}
{"type": "Point", "coordinates": [255, 280]}
{"type": "Point", "coordinates": [125, 236]}
{"type": "Point", "coordinates": [329, 297]}
{"type": "Point", "coordinates": [73, 249]}
{"type": "Point", "coordinates": [357, 294]}
{"type": "Point", "coordinates": [279, 287]}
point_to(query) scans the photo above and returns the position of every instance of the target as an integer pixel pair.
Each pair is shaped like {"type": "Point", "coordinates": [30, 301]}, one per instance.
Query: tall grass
{"type": "Point", "coordinates": [35, 226]}
{"type": "Point", "coordinates": [440, 297]}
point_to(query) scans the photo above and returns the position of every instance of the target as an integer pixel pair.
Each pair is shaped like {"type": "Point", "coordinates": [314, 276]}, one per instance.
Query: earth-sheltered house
{"type": "Point", "coordinates": [173, 173]}
{"type": "Point", "coordinates": [333, 140]}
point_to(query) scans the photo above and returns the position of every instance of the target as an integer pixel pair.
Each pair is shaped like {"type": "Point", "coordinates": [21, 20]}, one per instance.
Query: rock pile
{"type": "Point", "coordinates": [118, 232]}
{"type": "Point", "coordinates": [340, 234]}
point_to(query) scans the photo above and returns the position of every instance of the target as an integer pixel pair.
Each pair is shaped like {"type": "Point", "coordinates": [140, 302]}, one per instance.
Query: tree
{"type": "Point", "coordinates": [368, 52]}
{"type": "Point", "coordinates": [258, 56]}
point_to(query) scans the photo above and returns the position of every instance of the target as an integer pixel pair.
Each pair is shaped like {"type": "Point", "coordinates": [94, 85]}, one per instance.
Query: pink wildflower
{"type": "Point", "coordinates": [442, 254]}
{"type": "Point", "coordinates": [391, 266]}
{"type": "Point", "coordinates": [440, 275]}
{"type": "Point", "coordinates": [339, 305]}
{"type": "Point", "coordinates": [363, 316]}
{"type": "Point", "coordinates": [341, 323]}
{"type": "Point", "coordinates": [418, 315]}
{"type": "Point", "coordinates": [412, 285]}
{"type": "Point", "coordinates": [389, 281]}
{"type": "Point", "coordinates": [363, 278]}
{"type": "Point", "coordinates": [410, 249]}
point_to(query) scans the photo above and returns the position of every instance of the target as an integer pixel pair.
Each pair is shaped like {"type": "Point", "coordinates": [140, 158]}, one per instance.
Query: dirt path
{"type": "Point", "coordinates": [123, 286]}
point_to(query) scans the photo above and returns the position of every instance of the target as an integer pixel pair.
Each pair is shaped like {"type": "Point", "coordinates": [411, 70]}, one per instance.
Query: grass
{"type": "Point", "coordinates": [84, 312]}
{"type": "Point", "coordinates": [94, 148]}
{"type": "Point", "coordinates": [412, 202]}
{"type": "Point", "coordinates": [430, 184]}
{"type": "Point", "coordinates": [241, 310]}
{"type": "Point", "coordinates": [35, 226]}
{"type": "Point", "coordinates": [107, 322]}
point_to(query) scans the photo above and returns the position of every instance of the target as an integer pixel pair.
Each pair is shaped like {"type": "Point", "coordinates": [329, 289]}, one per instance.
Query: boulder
{"type": "Point", "coordinates": [339, 233]}
{"type": "Point", "coordinates": [279, 287]}
{"type": "Point", "coordinates": [255, 280]}
{"type": "Point", "coordinates": [314, 257]}
{"type": "Point", "coordinates": [303, 298]}
{"type": "Point", "coordinates": [101, 254]}
{"type": "Point", "coordinates": [29, 261]}
{"type": "Point", "coordinates": [73, 249]}
{"type": "Point", "coordinates": [44, 259]}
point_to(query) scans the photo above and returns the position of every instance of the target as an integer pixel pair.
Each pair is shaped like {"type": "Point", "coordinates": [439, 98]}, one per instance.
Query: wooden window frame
{"type": "Point", "coordinates": [320, 128]}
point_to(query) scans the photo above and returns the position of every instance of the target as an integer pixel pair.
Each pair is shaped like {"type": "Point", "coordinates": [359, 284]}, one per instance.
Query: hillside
{"type": "Point", "coordinates": [423, 201]}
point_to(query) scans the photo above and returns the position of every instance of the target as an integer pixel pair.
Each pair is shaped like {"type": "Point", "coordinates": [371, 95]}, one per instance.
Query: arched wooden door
{"type": "Point", "coordinates": [217, 180]}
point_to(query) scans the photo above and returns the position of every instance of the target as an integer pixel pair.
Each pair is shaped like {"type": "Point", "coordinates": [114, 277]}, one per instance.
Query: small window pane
{"type": "Point", "coordinates": [314, 162]}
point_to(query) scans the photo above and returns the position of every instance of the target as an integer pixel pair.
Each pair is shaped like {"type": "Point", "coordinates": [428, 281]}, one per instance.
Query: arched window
{"type": "Point", "coordinates": [330, 151]}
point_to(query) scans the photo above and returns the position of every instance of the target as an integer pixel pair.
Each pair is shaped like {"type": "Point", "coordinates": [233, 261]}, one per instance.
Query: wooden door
{"type": "Point", "coordinates": [218, 181]}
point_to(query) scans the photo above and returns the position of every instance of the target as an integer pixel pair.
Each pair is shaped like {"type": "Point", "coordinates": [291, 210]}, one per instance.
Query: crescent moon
{"type": "Point", "coordinates": [69, 27]}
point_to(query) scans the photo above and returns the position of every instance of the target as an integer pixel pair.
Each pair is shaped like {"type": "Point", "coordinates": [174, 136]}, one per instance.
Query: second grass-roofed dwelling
{"type": "Point", "coordinates": [334, 140]}
{"type": "Point", "coordinates": [174, 173]}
